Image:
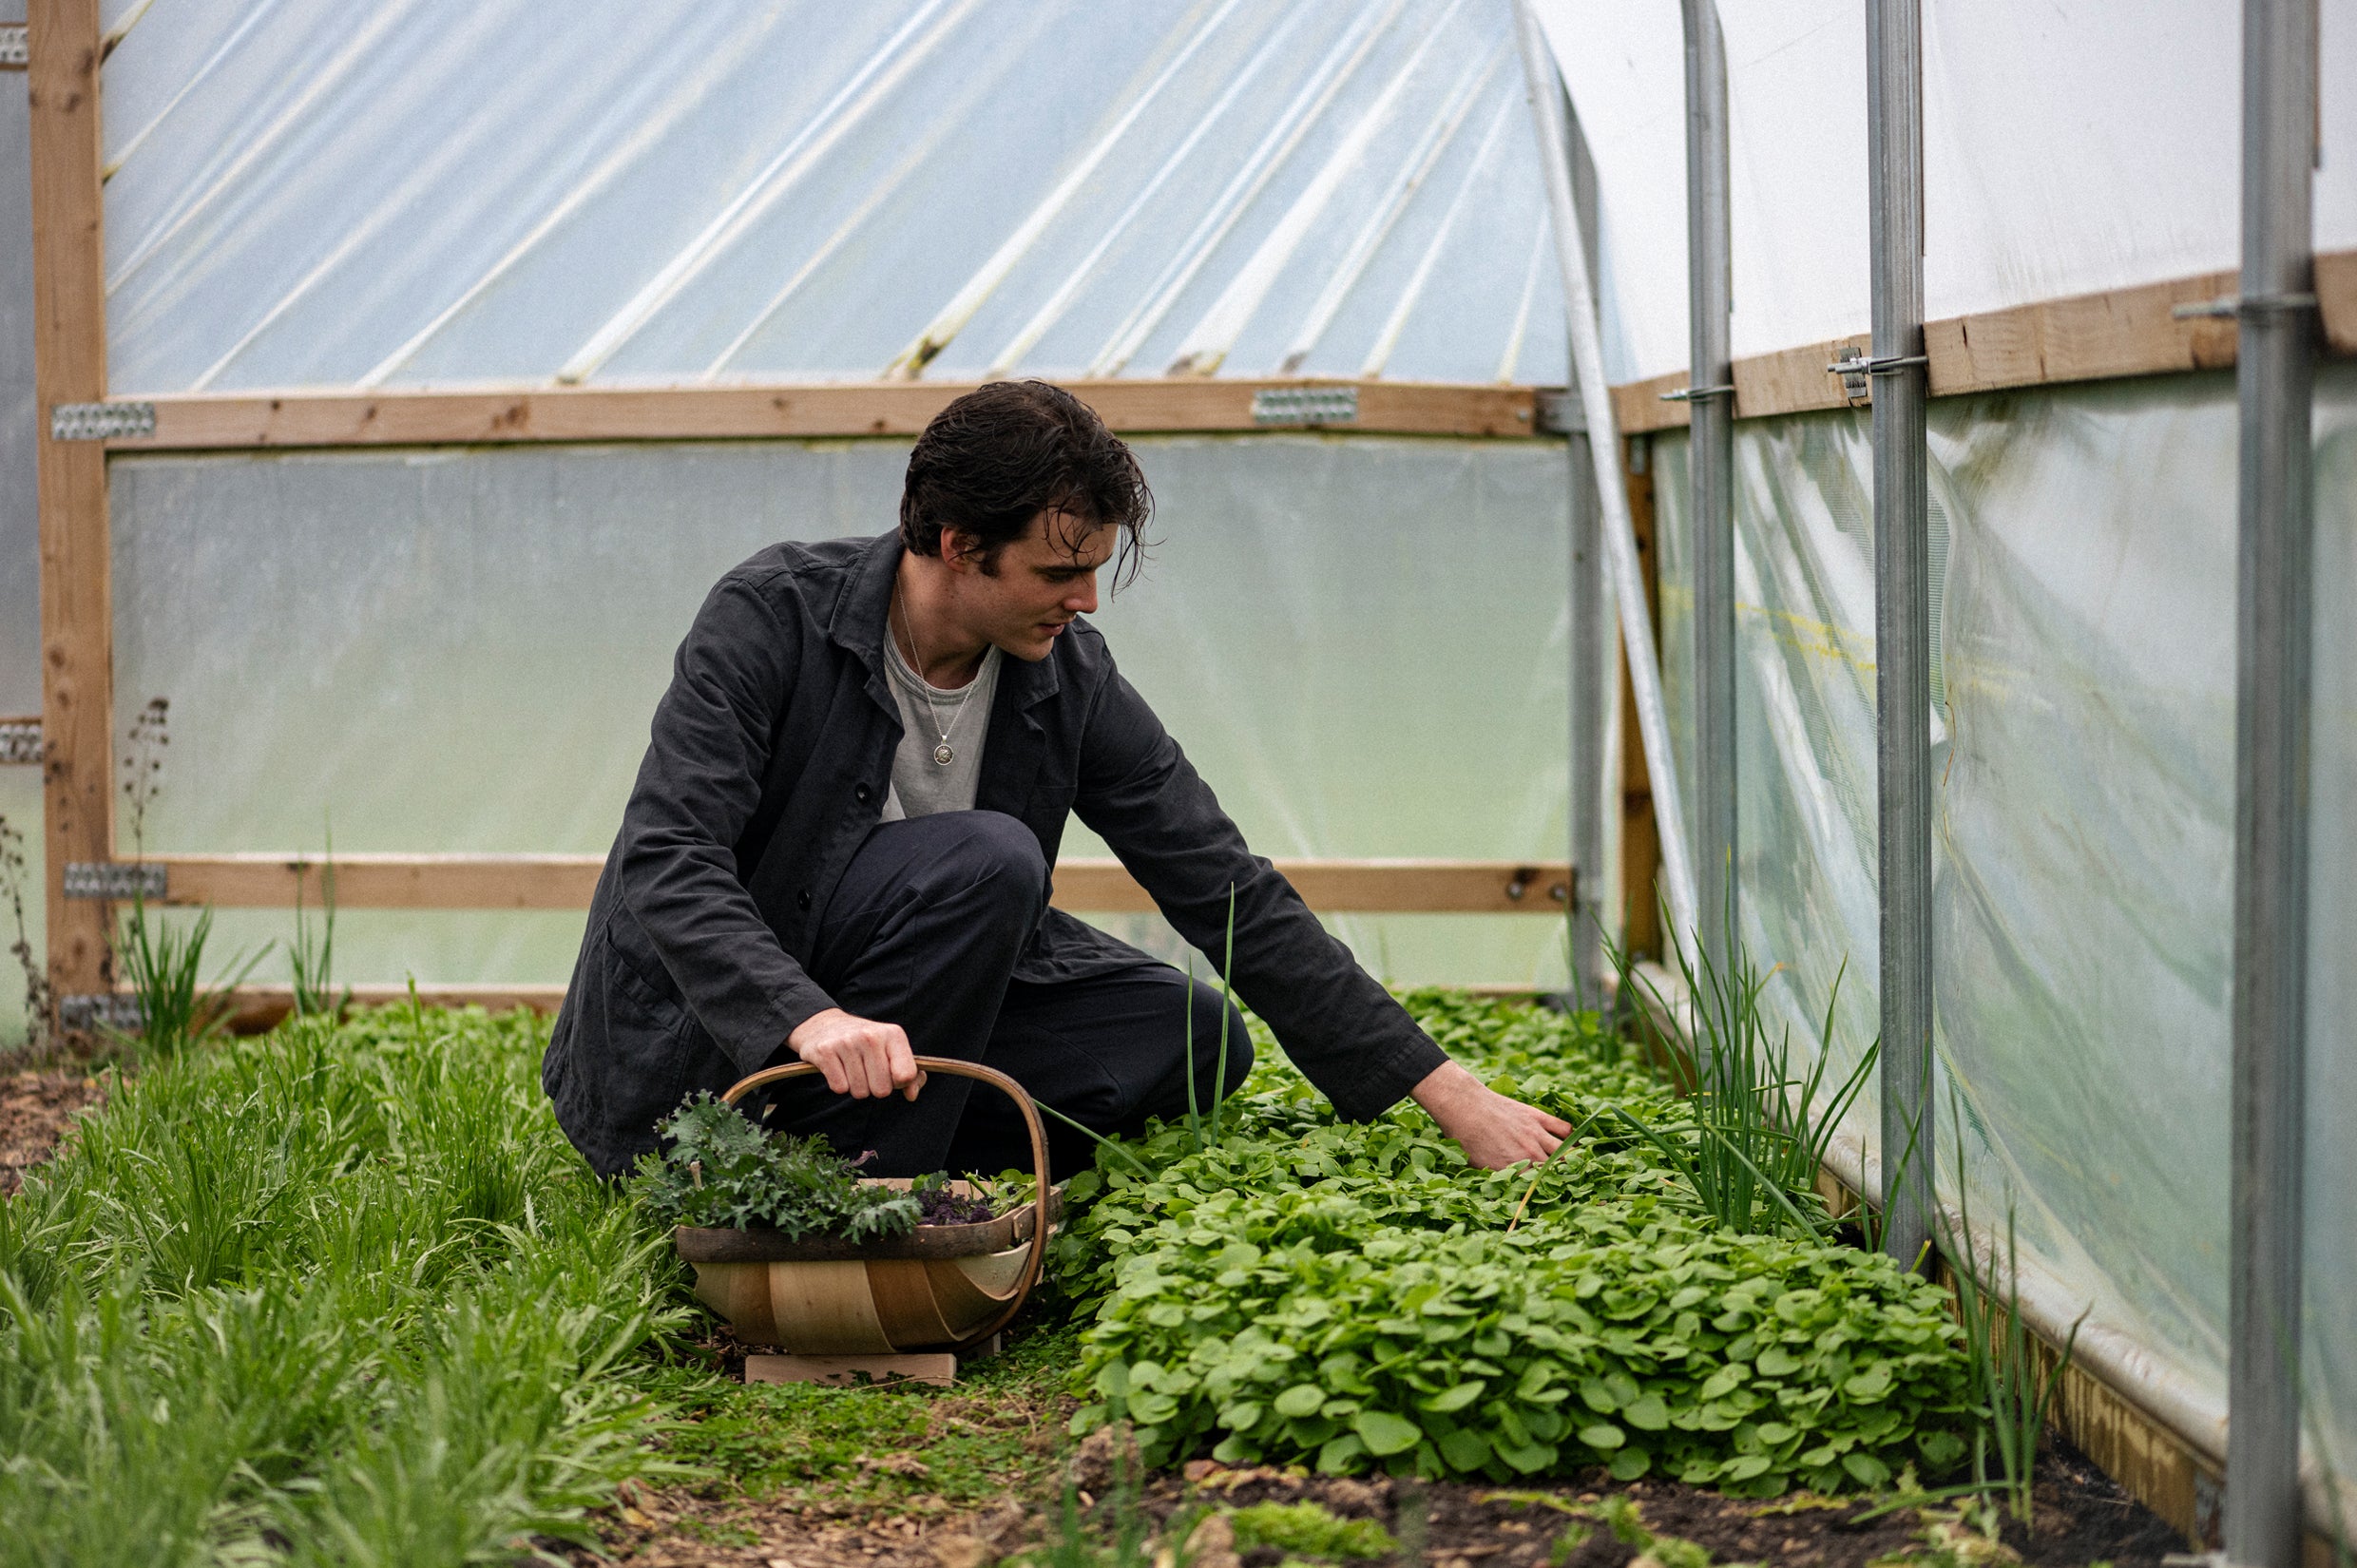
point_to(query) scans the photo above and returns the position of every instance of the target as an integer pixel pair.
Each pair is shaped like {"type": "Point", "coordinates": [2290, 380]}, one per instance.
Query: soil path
{"type": "Point", "coordinates": [2082, 1517]}
{"type": "Point", "coordinates": [36, 1109]}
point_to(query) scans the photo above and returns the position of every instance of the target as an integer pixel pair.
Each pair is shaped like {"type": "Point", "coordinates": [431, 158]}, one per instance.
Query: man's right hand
{"type": "Point", "coordinates": [861, 1057]}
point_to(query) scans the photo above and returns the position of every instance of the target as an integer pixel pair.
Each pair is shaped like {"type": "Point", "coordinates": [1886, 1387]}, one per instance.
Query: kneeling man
{"type": "Point", "coordinates": [840, 844]}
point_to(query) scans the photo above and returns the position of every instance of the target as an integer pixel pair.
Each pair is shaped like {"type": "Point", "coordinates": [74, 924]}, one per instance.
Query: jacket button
{"type": "Point", "coordinates": [861, 794]}
{"type": "Point", "coordinates": [802, 898]}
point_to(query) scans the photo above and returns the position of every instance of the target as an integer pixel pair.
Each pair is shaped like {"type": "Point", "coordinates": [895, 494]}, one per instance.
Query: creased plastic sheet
{"type": "Point", "coordinates": [2084, 742]}
{"type": "Point", "coordinates": [2331, 1252]}
{"type": "Point", "coordinates": [20, 554]}
{"type": "Point", "coordinates": [1361, 642]}
{"type": "Point", "coordinates": [310, 193]}
{"type": "Point", "coordinates": [2069, 146]}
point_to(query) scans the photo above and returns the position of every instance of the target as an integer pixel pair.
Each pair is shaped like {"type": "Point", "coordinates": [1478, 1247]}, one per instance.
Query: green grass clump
{"type": "Point", "coordinates": [1356, 1296]}
{"type": "Point", "coordinates": [338, 1294]}
{"type": "Point", "coordinates": [1310, 1530]}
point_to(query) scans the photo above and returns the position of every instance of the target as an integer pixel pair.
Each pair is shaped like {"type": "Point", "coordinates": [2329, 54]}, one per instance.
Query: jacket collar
{"type": "Point", "coordinates": [855, 622]}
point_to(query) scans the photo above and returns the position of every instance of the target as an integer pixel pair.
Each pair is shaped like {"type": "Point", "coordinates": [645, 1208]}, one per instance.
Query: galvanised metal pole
{"type": "Point", "coordinates": [1591, 722]}
{"type": "Point", "coordinates": [1592, 666]}
{"type": "Point", "coordinates": [1618, 531]}
{"type": "Point", "coordinates": [1901, 616]}
{"type": "Point", "coordinates": [2274, 372]}
{"type": "Point", "coordinates": [1710, 471]}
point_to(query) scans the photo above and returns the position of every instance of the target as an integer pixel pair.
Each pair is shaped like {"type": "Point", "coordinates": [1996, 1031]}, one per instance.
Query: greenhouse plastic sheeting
{"type": "Point", "coordinates": [1362, 644]}
{"type": "Point", "coordinates": [2331, 1353]}
{"type": "Point", "coordinates": [304, 192]}
{"type": "Point", "coordinates": [19, 555]}
{"type": "Point", "coordinates": [2085, 571]}
{"type": "Point", "coordinates": [2069, 146]}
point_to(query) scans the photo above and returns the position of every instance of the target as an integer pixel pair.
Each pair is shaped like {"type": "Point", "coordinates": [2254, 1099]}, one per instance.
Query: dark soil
{"type": "Point", "coordinates": [2081, 1517]}
{"type": "Point", "coordinates": [36, 1109]}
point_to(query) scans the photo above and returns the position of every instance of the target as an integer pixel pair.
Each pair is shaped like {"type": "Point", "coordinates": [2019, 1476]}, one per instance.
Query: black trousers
{"type": "Point", "coordinates": [924, 931]}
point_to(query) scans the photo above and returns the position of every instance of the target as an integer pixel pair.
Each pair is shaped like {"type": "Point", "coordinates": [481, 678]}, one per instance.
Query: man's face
{"type": "Point", "coordinates": [1038, 583]}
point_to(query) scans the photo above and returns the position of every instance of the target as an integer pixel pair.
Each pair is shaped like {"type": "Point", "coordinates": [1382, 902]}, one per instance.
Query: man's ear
{"type": "Point", "coordinates": [957, 550]}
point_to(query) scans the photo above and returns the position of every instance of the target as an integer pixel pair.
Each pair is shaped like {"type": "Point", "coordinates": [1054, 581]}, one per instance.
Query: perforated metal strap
{"type": "Point", "coordinates": [101, 421]}
{"type": "Point", "coordinates": [111, 1010]}
{"type": "Point", "coordinates": [115, 880]}
{"type": "Point", "coordinates": [1305, 406]}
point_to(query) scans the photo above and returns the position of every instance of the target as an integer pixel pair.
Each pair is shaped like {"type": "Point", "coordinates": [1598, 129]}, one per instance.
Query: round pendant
{"type": "Point", "coordinates": [943, 754]}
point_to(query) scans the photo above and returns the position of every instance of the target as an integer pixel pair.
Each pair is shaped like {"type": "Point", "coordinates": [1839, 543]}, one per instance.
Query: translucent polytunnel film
{"type": "Point", "coordinates": [1362, 644]}
{"type": "Point", "coordinates": [2085, 572]}
{"type": "Point", "coordinates": [20, 574]}
{"type": "Point", "coordinates": [305, 193]}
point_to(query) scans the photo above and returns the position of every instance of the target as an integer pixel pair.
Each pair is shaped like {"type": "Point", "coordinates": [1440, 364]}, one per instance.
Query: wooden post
{"type": "Point", "coordinates": [70, 366]}
{"type": "Point", "coordinates": [1641, 838]}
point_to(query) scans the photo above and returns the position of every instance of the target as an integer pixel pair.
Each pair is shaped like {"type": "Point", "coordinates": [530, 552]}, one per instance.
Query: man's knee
{"type": "Point", "coordinates": [991, 854]}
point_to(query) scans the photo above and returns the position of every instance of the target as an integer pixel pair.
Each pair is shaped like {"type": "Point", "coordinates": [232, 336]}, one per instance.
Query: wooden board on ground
{"type": "Point", "coordinates": [937, 1367]}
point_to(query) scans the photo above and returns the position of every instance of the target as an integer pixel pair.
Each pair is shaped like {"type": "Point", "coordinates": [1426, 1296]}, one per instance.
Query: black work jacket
{"type": "Point", "coordinates": [767, 767]}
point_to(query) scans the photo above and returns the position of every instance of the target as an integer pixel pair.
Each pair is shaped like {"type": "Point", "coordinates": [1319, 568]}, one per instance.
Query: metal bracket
{"type": "Point", "coordinates": [1696, 395]}
{"type": "Point", "coordinates": [115, 1011]}
{"type": "Point", "coordinates": [115, 879]}
{"type": "Point", "coordinates": [101, 421]}
{"type": "Point", "coordinates": [1561, 413]}
{"type": "Point", "coordinates": [2230, 306]}
{"type": "Point", "coordinates": [15, 45]}
{"type": "Point", "coordinates": [1305, 406]}
{"type": "Point", "coordinates": [1857, 366]}
{"type": "Point", "coordinates": [20, 740]}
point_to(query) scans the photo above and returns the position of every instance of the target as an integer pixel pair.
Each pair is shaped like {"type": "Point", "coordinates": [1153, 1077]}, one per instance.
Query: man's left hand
{"type": "Point", "coordinates": [1493, 1131]}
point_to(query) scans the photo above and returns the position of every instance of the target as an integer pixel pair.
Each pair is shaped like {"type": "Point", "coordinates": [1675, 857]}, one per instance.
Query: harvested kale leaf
{"type": "Point", "coordinates": [722, 1170]}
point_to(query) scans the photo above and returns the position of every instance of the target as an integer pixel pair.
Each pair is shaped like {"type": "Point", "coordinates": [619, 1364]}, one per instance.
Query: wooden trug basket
{"type": "Point", "coordinates": [942, 1287]}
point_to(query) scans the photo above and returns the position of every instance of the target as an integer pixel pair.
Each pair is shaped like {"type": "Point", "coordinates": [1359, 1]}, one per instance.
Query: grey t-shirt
{"type": "Point", "coordinates": [920, 785]}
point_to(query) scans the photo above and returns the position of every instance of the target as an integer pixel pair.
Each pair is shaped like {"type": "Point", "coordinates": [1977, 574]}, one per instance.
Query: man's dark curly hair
{"type": "Point", "coordinates": [1005, 453]}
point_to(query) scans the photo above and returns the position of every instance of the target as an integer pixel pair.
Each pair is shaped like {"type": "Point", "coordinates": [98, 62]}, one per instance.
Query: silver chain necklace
{"type": "Point", "coordinates": [944, 753]}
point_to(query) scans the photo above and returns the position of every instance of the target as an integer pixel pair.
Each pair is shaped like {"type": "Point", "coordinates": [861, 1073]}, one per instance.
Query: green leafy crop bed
{"type": "Point", "coordinates": [344, 1295]}
{"type": "Point", "coordinates": [1294, 1289]}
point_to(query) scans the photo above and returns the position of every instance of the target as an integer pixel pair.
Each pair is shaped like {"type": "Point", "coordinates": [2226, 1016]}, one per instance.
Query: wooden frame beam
{"type": "Point", "coordinates": [502, 416]}
{"type": "Point", "coordinates": [2123, 332]}
{"type": "Point", "coordinates": [566, 881]}
{"type": "Point", "coordinates": [70, 366]}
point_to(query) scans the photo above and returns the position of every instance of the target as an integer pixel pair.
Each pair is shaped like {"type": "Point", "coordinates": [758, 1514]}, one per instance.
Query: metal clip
{"type": "Point", "coordinates": [1857, 365]}
{"type": "Point", "coordinates": [111, 1010]}
{"type": "Point", "coordinates": [115, 879]}
{"type": "Point", "coordinates": [2230, 306]}
{"type": "Point", "coordinates": [101, 421]}
{"type": "Point", "coordinates": [1695, 394]}
{"type": "Point", "coordinates": [16, 46]}
{"type": "Point", "coordinates": [1561, 413]}
{"type": "Point", "coordinates": [20, 740]}
{"type": "Point", "coordinates": [1305, 406]}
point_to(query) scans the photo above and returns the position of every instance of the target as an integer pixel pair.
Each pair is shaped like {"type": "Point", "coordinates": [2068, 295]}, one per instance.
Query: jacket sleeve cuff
{"type": "Point", "coordinates": [764, 1045]}
{"type": "Point", "coordinates": [1387, 1081]}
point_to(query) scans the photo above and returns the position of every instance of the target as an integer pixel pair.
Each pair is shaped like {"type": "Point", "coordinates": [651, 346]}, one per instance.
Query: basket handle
{"type": "Point", "coordinates": [1031, 1263]}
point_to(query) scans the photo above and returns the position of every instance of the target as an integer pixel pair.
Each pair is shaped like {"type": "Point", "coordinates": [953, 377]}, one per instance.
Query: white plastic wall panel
{"type": "Point", "coordinates": [1361, 642]}
{"type": "Point", "coordinates": [2084, 586]}
{"type": "Point", "coordinates": [2070, 146]}
{"type": "Point", "coordinates": [2331, 1253]}
{"type": "Point", "coordinates": [20, 553]}
{"type": "Point", "coordinates": [311, 193]}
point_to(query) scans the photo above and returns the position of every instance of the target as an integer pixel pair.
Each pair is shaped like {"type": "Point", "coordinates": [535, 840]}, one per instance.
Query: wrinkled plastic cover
{"type": "Point", "coordinates": [20, 553]}
{"type": "Point", "coordinates": [310, 193]}
{"type": "Point", "coordinates": [2083, 551]}
{"type": "Point", "coordinates": [2069, 146]}
{"type": "Point", "coordinates": [1361, 642]}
